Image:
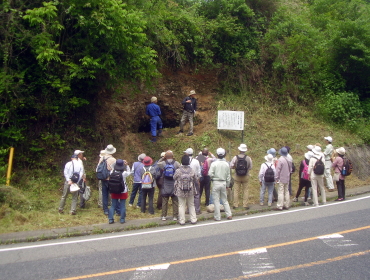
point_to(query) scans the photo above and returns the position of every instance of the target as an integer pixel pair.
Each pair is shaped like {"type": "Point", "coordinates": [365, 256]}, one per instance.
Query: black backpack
{"type": "Point", "coordinates": [241, 167]}
{"type": "Point", "coordinates": [102, 172]}
{"type": "Point", "coordinates": [115, 183]}
{"type": "Point", "coordinates": [347, 167]}
{"type": "Point", "coordinates": [319, 167]}
{"type": "Point", "coordinates": [269, 174]}
{"type": "Point", "coordinates": [75, 176]}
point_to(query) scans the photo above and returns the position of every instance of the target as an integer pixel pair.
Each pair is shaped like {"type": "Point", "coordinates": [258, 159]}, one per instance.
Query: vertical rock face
{"type": "Point", "coordinates": [123, 111]}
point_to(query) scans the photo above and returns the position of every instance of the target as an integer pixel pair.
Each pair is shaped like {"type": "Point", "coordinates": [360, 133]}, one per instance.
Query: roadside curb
{"type": "Point", "coordinates": [49, 234]}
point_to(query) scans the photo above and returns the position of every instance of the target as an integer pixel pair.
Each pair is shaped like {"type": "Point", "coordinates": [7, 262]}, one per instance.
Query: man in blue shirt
{"type": "Point", "coordinates": [153, 111]}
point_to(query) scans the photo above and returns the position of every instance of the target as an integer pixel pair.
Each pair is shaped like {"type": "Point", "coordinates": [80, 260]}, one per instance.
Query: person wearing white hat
{"type": "Point", "coordinates": [219, 172]}
{"type": "Point", "coordinates": [82, 183]}
{"type": "Point", "coordinates": [328, 153]}
{"type": "Point", "coordinates": [268, 165]}
{"type": "Point", "coordinates": [136, 185]}
{"type": "Point", "coordinates": [242, 165]}
{"type": "Point", "coordinates": [190, 107]}
{"type": "Point", "coordinates": [111, 161]}
{"type": "Point", "coordinates": [337, 165]}
{"type": "Point", "coordinates": [304, 176]}
{"type": "Point", "coordinates": [70, 169]}
{"type": "Point", "coordinates": [317, 180]}
{"type": "Point", "coordinates": [282, 178]}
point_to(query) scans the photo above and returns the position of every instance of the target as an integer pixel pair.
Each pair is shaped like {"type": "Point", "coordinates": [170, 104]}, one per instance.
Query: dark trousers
{"type": "Point", "coordinates": [205, 184]}
{"type": "Point", "coordinates": [82, 185]}
{"type": "Point", "coordinates": [150, 194]}
{"type": "Point", "coordinates": [159, 198]}
{"type": "Point", "coordinates": [303, 184]}
{"type": "Point", "coordinates": [136, 187]}
{"type": "Point", "coordinates": [341, 189]}
{"type": "Point", "coordinates": [197, 198]}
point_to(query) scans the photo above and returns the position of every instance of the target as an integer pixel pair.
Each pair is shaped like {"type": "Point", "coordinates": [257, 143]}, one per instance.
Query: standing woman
{"type": "Point", "coordinates": [337, 165]}
{"type": "Point", "coordinates": [120, 198]}
{"type": "Point", "coordinates": [185, 180]}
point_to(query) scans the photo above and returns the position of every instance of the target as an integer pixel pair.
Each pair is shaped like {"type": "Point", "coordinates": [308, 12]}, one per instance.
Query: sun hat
{"type": "Point", "coordinates": [310, 147]}
{"type": "Point", "coordinates": [147, 161]}
{"type": "Point", "coordinates": [141, 157]}
{"type": "Point", "coordinates": [192, 92]}
{"type": "Point", "coordinates": [272, 152]}
{"type": "Point", "coordinates": [287, 148]}
{"type": "Point", "coordinates": [283, 151]}
{"type": "Point", "coordinates": [341, 151]}
{"type": "Point", "coordinates": [153, 99]}
{"type": "Point", "coordinates": [329, 139]}
{"type": "Point", "coordinates": [242, 148]}
{"type": "Point", "coordinates": [308, 155]}
{"type": "Point", "coordinates": [269, 157]}
{"type": "Point", "coordinates": [316, 150]}
{"type": "Point", "coordinates": [77, 152]}
{"type": "Point", "coordinates": [189, 151]}
{"type": "Point", "coordinates": [74, 188]}
{"type": "Point", "coordinates": [120, 165]}
{"type": "Point", "coordinates": [110, 149]}
{"type": "Point", "coordinates": [220, 152]}
{"type": "Point", "coordinates": [163, 154]}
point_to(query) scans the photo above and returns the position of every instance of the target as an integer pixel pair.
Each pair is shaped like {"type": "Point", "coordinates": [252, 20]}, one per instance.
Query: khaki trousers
{"type": "Point", "coordinates": [240, 186]}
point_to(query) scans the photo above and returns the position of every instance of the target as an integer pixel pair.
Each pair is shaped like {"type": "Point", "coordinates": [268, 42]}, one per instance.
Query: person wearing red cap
{"type": "Point", "coordinates": [147, 189]}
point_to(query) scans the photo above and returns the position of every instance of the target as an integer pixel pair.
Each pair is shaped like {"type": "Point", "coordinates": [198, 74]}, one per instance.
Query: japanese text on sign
{"type": "Point", "coordinates": [230, 120]}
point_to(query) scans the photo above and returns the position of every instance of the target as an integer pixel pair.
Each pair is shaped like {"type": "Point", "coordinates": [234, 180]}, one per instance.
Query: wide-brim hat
{"type": "Point", "coordinates": [329, 139]}
{"type": "Point", "coordinates": [283, 151]}
{"type": "Point", "coordinates": [316, 150]}
{"type": "Point", "coordinates": [341, 151]}
{"type": "Point", "coordinates": [243, 148]}
{"type": "Point", "coordinates": [308, 155]}
{"type": "Point", "coordinates": [192, 92]}
{"type": "Point", "coordinates": [269, 157]}
{"type": "Point", "coordinates": [141, 157]}
{"type": "Point", "coordinates": [110, 149]}
{"type": "Point", "coordinates": [271, 151]}
{"type": "Point", "coordinates": [310, 147]}
{"type": "Point", "coordinates": [120, 165]}
{"type": "Point", "coordinates": [147, 161]}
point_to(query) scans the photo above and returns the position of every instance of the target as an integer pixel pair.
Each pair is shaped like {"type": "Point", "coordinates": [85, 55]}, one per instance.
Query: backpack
{"type": "Point", "coordinates": [115, 183]}
{"type": "Point", "coordinates": [347, 167]}
{"type": "Point", "coordinates": [304, 174]}
{"type": "Point", "coordinates": [269, 176]}
{"type": "Point", "coordinates": [186, 180]}
{"type": "Point", "coordinates": [319, 167]}
{"type": "Point", "coordinates": [102, 172]}
{"type": "Point", "coordinates": [241, 167]}
{"type": "Point", "coordinates": [169, 170]}
{"type": "Point", "coordinates": [205, 168]}
{"type": "Point", "coordinates": [146, 179]}
{"type": "Point", "coordinates": [75, 176]}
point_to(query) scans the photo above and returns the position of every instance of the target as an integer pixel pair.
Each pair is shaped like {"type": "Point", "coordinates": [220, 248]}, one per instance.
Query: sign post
{"type": "Point", "coordinates": [231, 120]}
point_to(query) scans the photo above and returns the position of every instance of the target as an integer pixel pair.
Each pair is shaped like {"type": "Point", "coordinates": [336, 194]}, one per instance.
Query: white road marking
{"type": "Point", "coordinates": [155, 272]}
{"type": "Point", "coordinates": [255, 261]}
{"type": "Point", "coordinates": [177, 228]}
{"type": "Point", "coordinates": [336, 240]}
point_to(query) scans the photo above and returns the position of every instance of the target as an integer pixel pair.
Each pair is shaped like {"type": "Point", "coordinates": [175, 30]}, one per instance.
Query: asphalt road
{"type": "Point", "coordinates": [326, 242]}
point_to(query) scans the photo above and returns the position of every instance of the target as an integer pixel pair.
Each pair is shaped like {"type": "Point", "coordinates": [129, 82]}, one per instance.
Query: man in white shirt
{"type": "Point", "coordinates": [82, 183]}
{"type": "Point", "coordinates": [195, 165]}
{"type": "Point", "coordinates": [71, 167]}
{"type": "Point", "coordinates": [327, 153]}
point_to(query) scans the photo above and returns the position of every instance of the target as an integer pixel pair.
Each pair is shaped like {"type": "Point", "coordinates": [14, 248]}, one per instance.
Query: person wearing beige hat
{"type": "Point", "coordinates": [328, 153]}
{"type": "Point", "coordinates": [242, 165]}
{"type": "Point", "coordinates": [111, 161]}
{"type": "Point", "coordinates": [190, 107]}
{"type": "Point", "coordinates": [337, 165]}
{"type": "Point", "coordinates": [317, 180]}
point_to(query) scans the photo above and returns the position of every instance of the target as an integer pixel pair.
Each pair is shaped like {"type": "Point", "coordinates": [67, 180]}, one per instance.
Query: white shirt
{"type": "Point", "coordinates": [195, 165]}
{"type": "Point", "coordinates": [71, 167]}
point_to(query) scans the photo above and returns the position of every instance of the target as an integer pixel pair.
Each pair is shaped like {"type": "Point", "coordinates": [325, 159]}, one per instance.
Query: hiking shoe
{"type": "Point", "coordinates": [174, 218]}
{"type": "Point", "coordinates": [61, 211]}
{"type": "Point", "coordinates": [295, 199]}
{"type": "Point", "coordinates": [180, 131]}
{"type": "Point", "coordinates": [163, 218]}
{"type": "Point", "coordinates": [269, 204]}
{"type": "Point", "coordinates": [261, 203]}
{"type": "Point", "coordinates": [189, 134]}
{"type": "Point", "coordinates": [230, 218]}
{"type": "Point", "coordinates": [130, 205]}
{"type": "Point", "coordinates": [331, 190]}
{"type": "Point", "coordinates": [306, 204]}
{"type": "Point", "coordinates": [73, 213]}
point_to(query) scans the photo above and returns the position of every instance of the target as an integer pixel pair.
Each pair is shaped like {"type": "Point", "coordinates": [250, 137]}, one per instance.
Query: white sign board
{"type": "Point", "coordinates": [230, 120]}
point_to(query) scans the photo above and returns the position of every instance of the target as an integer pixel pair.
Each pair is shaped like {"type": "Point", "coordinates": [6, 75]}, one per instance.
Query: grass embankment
{"type": "Point", "coordinates": [34, 203]}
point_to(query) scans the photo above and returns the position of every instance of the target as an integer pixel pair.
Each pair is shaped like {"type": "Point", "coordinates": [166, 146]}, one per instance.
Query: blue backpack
{"type": "Point", "coordinates": [102, 172]}
{"type": "Point", "coordinates": [169, 170]}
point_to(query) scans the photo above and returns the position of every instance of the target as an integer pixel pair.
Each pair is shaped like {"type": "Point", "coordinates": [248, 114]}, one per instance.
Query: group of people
{"type": "Point", "coordinates": [153, 110]}
{"type": "Point", "coordinates": [185, 181]}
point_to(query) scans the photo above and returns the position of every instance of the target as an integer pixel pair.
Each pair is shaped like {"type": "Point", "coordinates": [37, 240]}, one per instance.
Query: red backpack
{"type": "Point", "coordinates": [205, 168]}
